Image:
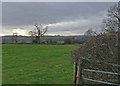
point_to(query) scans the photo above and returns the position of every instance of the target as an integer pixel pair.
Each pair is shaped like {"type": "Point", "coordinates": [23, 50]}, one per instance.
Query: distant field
{"type": "Point", "coordinates": [37, 64]}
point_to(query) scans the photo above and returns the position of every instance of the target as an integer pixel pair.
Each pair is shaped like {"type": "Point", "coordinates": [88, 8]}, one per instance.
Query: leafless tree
{"type": "Point", "coordinates": [41, 31]}
{"type": "Point", "coordinates": [90, 32]}
{"type": "Point", "coordinates": [102, 49]}
{"type": "Point", "coordinates": [14, 38]}
{"type": "Point", "coordinates": [32, 34]}
{"type": "Point", "coordinates": [112, 22]}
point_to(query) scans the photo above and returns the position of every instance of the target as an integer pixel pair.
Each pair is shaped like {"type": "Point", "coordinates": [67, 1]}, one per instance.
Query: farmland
{"type": "Point", "coordinates": [37, 64]}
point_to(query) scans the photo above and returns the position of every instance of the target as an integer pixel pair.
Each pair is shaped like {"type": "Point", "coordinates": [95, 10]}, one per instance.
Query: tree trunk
{"type": "Point", "coordinates": [38, 39]}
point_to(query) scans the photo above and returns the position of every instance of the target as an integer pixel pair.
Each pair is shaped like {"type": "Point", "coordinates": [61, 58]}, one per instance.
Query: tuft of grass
{"type": "Point", "coordinates": [37, 64]}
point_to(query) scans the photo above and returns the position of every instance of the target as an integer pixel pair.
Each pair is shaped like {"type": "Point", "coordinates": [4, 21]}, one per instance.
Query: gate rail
{"type": "Point", "coordinates": [78, 74]}
{"type": "Point", "coordinates": [101, 71]}
{"type": "Point", "coordinates": [89, 70]}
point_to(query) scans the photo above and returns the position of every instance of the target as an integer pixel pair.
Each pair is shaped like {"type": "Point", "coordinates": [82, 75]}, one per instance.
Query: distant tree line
{"type": "Point", "coordinates": [73, 41]}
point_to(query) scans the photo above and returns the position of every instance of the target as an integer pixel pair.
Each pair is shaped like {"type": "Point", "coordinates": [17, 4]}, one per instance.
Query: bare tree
{"type": "Point", "coordinates": [102, 49]}
{"type": "Point", "coordinates": [41, 31]}
{"type": "Point", "coordinates": [90, 32]}
{"type": "Point", "coordinates": [112, 22]}
{"type": "Point", "coordinates": [14, 38]}
{"type": "Point", "coordinates": [32, 34]}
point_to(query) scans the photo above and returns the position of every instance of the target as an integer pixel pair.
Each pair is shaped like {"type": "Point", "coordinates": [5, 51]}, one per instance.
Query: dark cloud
{"type": "Point", "coordinates": [63, 16]}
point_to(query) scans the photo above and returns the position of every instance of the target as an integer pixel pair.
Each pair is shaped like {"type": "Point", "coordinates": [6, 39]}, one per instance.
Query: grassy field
{"type": "Point", "coordinates": [37, 64]}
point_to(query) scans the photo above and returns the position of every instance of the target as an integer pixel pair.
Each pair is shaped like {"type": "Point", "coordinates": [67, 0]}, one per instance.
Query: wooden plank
{"type": "Point", "coordinates": [75, 74]}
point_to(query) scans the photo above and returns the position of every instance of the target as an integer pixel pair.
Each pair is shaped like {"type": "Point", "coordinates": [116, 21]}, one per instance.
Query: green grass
{"type": "Point", "coordinates": [60, 41]}
{"type": "Point", "coordinates": [37, 64]}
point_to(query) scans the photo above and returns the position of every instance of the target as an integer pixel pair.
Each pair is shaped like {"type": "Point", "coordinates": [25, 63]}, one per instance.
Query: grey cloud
{"type": "Point", "coordinates": [23, 13]}
{"type": "Point", "coordinates": [69, 14]}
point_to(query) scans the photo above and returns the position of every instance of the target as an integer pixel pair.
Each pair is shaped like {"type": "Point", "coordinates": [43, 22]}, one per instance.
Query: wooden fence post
{"type": "Point", "coordinates": [75, 74]}
{"type": "Point", "coordinates": [79, 75]}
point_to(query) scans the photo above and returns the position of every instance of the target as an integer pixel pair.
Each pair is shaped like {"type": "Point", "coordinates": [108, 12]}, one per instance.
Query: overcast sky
{"type": "Point", "coordinates": [63, 18]}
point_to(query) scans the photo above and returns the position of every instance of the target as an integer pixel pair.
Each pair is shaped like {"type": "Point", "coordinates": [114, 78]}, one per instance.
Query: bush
{"type": "Point", "coordinates": [78, 41]}
{"type": "Point", "coordinates": [34, 41]}
{"type": "Point", "coordinates": [101, 48]}
{"type": "Point", "coordinates": [52, 42]}
{"type": "Point", "coordinates": [73, 41]}
{"type": "Point", "coordinates": [68, 41]}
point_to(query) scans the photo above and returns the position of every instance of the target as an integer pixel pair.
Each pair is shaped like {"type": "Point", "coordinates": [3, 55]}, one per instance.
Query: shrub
{"type": "Point", "coordinates": [68, 41]}
{"type": "Point", "coordinates": [101, 48]}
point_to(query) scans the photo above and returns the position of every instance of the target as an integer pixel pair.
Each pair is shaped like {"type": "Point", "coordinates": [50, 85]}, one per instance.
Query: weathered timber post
{"type": "Point", "coordinates": [81, 78]}
{"type": "Point", "coordinates": [75, 74]}
{"type": "Point", "coordinates": [119, 41]}
{"type": "Point", "coordinates": [79, 75]}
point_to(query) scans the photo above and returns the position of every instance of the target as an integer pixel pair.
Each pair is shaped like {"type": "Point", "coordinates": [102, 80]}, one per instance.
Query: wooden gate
{"type": "Point", "coordinates": [96, 75]}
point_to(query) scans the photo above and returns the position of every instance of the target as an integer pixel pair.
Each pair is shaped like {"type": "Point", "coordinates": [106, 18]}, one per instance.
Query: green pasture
{"type": "Point", "coordinates": [37, 64]}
